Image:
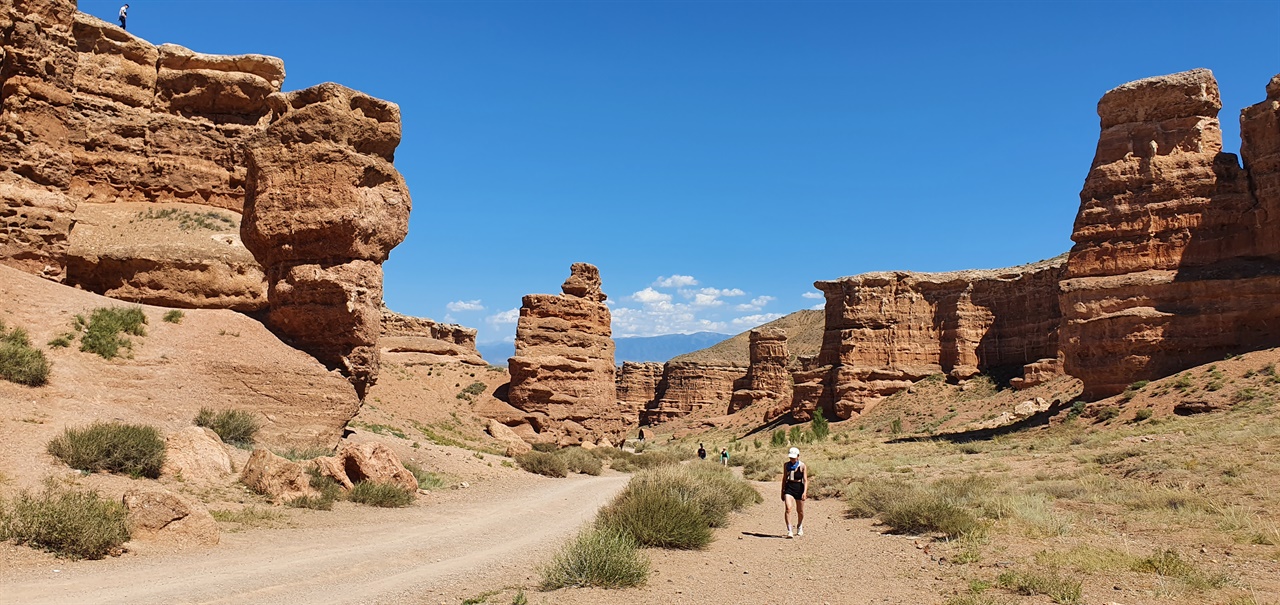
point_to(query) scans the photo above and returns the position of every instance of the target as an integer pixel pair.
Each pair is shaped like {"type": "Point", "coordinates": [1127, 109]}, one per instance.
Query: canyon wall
{"type": "Point", "coordinates": [687, 387]}
{"type": "Point", "coordinates": [562, 375]}
{"type": "Point", "coordinates": [768, 380]}
{"type": "Point", "coordinates": [1176, 259]}
{"type": "Point", "coordinates": [637, 386]}
{"type": "Point", "coordinates": [886, 330]}
{"type": "Point", "coordinates": [124, 168]}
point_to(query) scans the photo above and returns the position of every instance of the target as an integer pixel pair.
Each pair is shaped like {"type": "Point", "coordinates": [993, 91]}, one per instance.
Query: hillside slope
{"type": "Point", "coordinates": [804, 337]}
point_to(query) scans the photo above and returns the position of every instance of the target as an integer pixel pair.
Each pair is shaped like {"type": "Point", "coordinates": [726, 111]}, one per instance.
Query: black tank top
{"type": "Point", "coordinates": [793, 472]}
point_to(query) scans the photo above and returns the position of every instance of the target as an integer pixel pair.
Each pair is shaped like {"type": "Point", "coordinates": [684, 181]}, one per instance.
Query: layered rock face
{"type": "Point", "coordinates": [637, 386]}
{"type": "Point", "coordinates": [96, 122]}
{"type": "Point", "coordinates": [323, 231]}
{"type": "Point", "coordinates": [562, 376]}
{"type": "Point", "coordinates": [414, 340]}
{"type": "Point", "coordinates": [768, 381]}
{"type": "Point", "coordinates": [687, 387]}
{"type": "Point", "coordinates": [884, 331]}
{"type": "Point", "coordinates": [1176, 259]}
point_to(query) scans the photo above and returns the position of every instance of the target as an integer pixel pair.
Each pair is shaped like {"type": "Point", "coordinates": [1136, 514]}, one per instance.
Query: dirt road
{"type": "Point", "coordinates": [425, 554]}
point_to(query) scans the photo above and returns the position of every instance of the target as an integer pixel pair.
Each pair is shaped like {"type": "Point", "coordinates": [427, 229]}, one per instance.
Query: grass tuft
{"type": "Point", "coordinates": [426, 479]}
{"type": "Point", "coordinates": [173, 316]}
{"type": "Point", "coordinates": [383, 495]}
{"type": "Point", "coordinates": [1065, 591]}
{"type": "Point", "coordinates": [19, 361]}
{"type": "Point", "coordinates": [676, 506]}
{"type": "Point", "coordinates": [130, 449]}
{"type": "Point", "coordinates": [543, 463]}
{"type": "Point", "coordinates": [599, 557]}
{"type": "Point", "coordinates": [578, 460]}
{"type": "Point", "coordinates": [102, 332]}
{"type": "Point", "coordinates": [236, 427]}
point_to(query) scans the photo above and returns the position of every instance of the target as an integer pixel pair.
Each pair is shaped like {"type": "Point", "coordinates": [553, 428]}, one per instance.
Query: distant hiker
{"type": "Point", "coordinates": [702, 452]}
{"type": "Point", "coordinates": [724, 456]}
{"type": "Point", "coordinates": [795, 485]}
{"type": "Point", "coordinates": [124, 14]}
{"type": "Point", "coordinates": [642, 435]}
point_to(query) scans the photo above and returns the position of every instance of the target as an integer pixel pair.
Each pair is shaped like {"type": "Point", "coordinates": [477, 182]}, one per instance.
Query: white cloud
{"type": "Point", "coordinates": [710, 297]}
{"type": "Point", "coordinates": [812, 295]}
{"type": "Point", "coordinates": [662, 318]}
{"type": "Point", "coordinates": [819, 307]}
{"type": "Point", "coordinates": [676, 281]}
{"type": "Point", "coordinates": [509, 316]}
{"type": "Point", "coordinates": [465, 305]}
{"type": "Point", "coordinates": [756, 303]}
{"type": "Point", "coordinates": [706, 300]}
{"type": "Point", "coordinates": [649, 296]}
{"type": "Point", "coordinates": [751, 321]}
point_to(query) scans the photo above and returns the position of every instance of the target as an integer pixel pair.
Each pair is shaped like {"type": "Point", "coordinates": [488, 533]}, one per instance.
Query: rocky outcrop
{"type": "Point", "coordinates": [93, 115]}
{"type": "Point", "coordinates": [1176, 259]}
{"type": "Point", "coordinates": [322, 233]}
{"type": "Point", "coordinates": [158, 515]}
{"type": "Point", "coordinates": [687, 387]}
{"type": "Point", "coordinates": [768, 381]}
{"type": "Point", "coordinates": [513, 444]}
{"type": "Point", "coordinates": [373, 462]}
{"type": "Point", "coordinates": [277, 478]}
{"type": "Point", "coordinates": [884, 331]}
{"type": "Point", "coordinates": [562, 375]}
{"type": "Point", "coordinates": [637, 386]}
{"type": "Point", "coordinates": [414, 340]}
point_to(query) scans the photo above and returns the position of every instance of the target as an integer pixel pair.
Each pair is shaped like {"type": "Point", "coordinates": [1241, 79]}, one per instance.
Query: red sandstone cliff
{"type": "Point", "coordinates": [562, 376]}
{"type": "Point", "coordinates": [886, 330]}
{"type": "Point", "coordinates": [768, 381]}
{"type": "Point", "coordinates": [1177, 248]}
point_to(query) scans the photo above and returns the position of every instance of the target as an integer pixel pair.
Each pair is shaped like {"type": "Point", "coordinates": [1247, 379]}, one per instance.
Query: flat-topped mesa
{"type": "Point", "coordinates": [324, 208]}
{"type": "Point", "coordinates": [768, 381]}
{"type": "Point", "coordinates": [562, 376]}
{"type": "Point", "coordinates": [1176, 260]}
{"type": "Point", "coordinates": [886, 330]}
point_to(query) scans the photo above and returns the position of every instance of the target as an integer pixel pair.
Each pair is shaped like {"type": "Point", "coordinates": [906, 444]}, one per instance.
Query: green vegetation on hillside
{"type": "Point", "coordinates": [19, 361]}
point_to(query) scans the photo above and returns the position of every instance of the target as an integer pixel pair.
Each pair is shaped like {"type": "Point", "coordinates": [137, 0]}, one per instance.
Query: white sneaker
{"type": "Point", "coordinates": [789, 534]}
{"type": "Point", "coordinates": [800, 531]}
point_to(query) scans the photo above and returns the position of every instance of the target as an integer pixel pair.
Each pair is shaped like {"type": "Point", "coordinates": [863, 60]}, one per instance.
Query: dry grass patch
{"type": "Point", "coordinates": [543, 463]}
{"type": "Point", "coordinates": [676, 506]}
{"type": "Point", "coordinates": [599, 556]}
{"type": "Point", "coordinates": [236, 427]}
{"type": "Point", "coordinates": [1063, 590]}
{"type": "Point", "coordinates": [19, 361]}
{"type": "Point", "coordinates": [66, 521]}
{"type": "Point", "coordinates": [129, 449]}
{"type": "Point", "coordinates": [383, 495]}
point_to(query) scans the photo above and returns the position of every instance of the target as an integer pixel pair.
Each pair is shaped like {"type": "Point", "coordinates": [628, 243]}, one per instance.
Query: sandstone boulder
{"type": "Point", "coordinates": [196, 454]}
{"type": "Point", "coordinates": [275, 477]}
{"type": "Point", "coordinates": [511, 442]}
{"type": "Point", "coordinates": [158, 515]}
{"type": "Point", "coordinates": [366, 462]}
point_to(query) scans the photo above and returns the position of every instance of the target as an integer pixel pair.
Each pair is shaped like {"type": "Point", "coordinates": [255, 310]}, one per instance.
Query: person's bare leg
{"type": "Point", "coordinates": [786, 515]}
{"type": "Point", "coordinates": [800, 516]}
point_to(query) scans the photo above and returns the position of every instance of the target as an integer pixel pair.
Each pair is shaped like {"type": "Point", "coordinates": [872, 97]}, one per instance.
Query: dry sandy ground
{"type": "Point", "coordinates": [433, 552]}
{"type": "Point", "coordinates": [838, 561]}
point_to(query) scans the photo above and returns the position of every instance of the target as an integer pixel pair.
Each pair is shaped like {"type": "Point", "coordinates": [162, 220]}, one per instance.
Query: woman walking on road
{"type": "Point", "coordinates": [795, 485]}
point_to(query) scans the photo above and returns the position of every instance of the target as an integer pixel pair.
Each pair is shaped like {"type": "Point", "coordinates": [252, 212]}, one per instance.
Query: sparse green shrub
{"type": "Point", "coordinates": [173, 316]}
{"type": "Point", "coordinates": [189, 221]}
{"type": "Point", "coordinates": [545, 447]}
{"type": "Point", "coordinates": [779, 438]}
{"type": "Point", "coordinates": [236, 427]}
{"type": "Point", "coordinates": [426, 479]}
{"type": "Point", "coordinates": [330, 492]}
{"type": "Point", "coordinates": [759, 468]}
{"type": "Point", "coordinates": [820, 427]}
{"type": "Point", "coordinates": [946, 506]}
{"type": "Point", "coordinates": [1137, 386]}
{"type": "Point", "coordinates": [384, 495]}
{"type": "Point", "coordinates": [130, 449]}
{"type": "Point", "coordinates": [304, 453]}
{"type": "Point", "coordinates": [543, 463]}
{"type": "Point", "coordinates": [19, 361]}
{"type": "Point", "coordinates": [895, 427]}
{"type": "Point", "coordinates": [62, 341]}
{"type": "Point", "coordinates": [1077, 408]}
{"type": "Point", "coordinates": [1141, 415]}
{"type": "Point", "coordinates": [102, 334]}
{"type": "Point", "coordinates": [475, 388]}
{"type": "Point", "coordinates": [72, 523]}
{"type": "Point", "coordinates": [1030, 583]}
{"type": "Point", "coordinates": [676, 506]}
{"type": "Point", "coordinates": [599, 556]}
{"type": "Point", "coordinates": [1108, 413]}
{"type": "Point", "coordinates": [581, 461]}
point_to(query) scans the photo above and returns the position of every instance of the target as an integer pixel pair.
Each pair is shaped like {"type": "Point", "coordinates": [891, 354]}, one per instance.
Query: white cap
{"type": "Point", "coordinates": [793, 452]}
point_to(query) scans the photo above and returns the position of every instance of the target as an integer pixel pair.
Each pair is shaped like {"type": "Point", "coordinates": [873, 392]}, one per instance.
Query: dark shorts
{"type": "Point", "coordinates": [795, 490]}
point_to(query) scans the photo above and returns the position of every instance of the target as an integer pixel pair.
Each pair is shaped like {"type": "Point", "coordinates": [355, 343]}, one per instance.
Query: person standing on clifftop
{"type": "Point", "coordinates": [124, 14]}
{"type": "Point", "coordinates": [795, 486]}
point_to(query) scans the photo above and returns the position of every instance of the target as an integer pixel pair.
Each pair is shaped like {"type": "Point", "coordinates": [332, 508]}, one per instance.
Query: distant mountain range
{"type": "Point", "coordinates": [629, 348]}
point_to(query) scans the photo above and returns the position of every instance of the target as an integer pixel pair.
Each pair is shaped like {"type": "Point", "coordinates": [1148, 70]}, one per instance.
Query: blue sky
{"type": "Point", "coordinates": [714, 159]}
